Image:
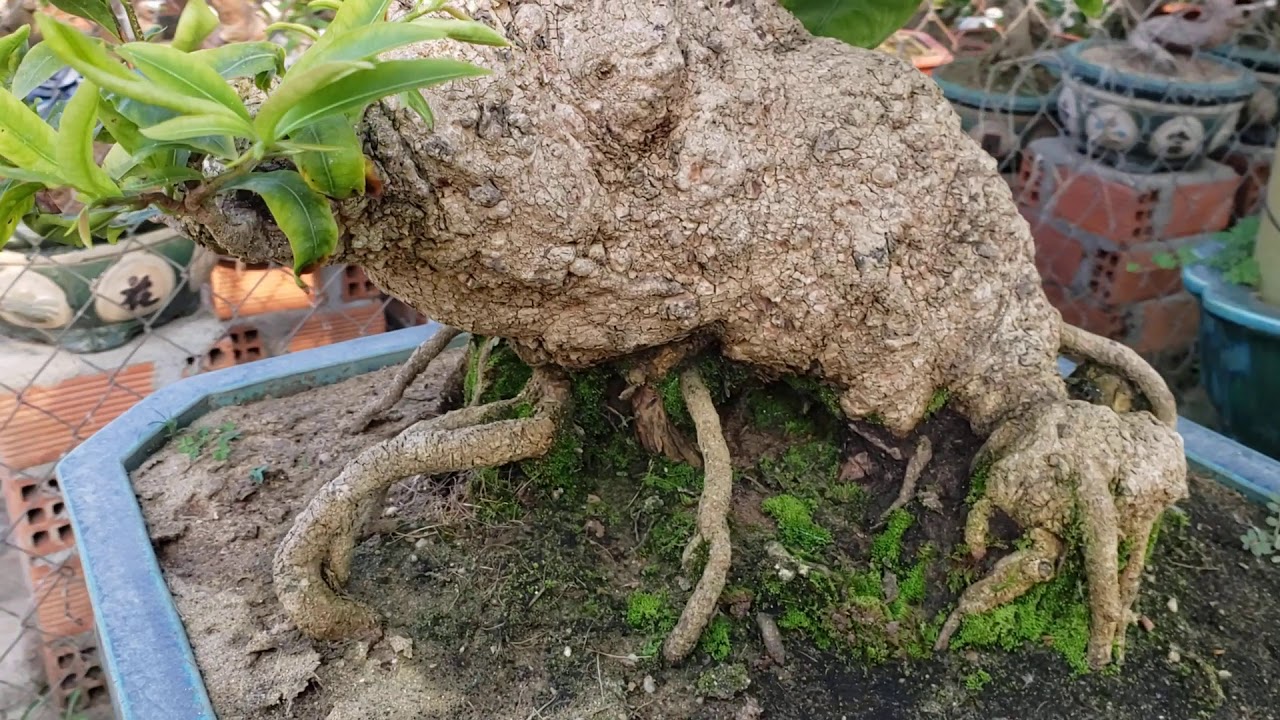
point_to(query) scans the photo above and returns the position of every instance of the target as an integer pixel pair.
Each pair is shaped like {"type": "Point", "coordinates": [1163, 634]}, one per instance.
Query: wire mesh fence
{"type": "Point", "coordinates": [1118, 167]}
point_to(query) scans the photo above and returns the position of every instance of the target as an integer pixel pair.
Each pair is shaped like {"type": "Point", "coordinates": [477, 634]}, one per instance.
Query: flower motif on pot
{"type": "Point", "coordinates": [31, 300]}
{"type": "Point", "coordinates": [996, 135]}
{"type": "Point", "coordinates": [1179, 137]}
{"type": "Point", "coordinates": [1067, 109]}
{"type": "Point", "coordinates": [139, 284]}
{"type": "Point", "coordinates": [1111, 127]}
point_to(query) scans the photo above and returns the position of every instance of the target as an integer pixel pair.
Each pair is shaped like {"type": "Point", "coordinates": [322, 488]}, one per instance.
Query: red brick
{"type": "Point", "coordinates": [1164, 324]}
{"type": "Point", "coordinates": [38, 520]}
{"type": "Point", "coordinates": [1129, 275]}
{"type": "Point", "coordinates": [1198, 208]}
{"type": "Point", "coordinates": [61, 597]}
{"type": "Point", "coordinates": [1085, 312]}
{"type": "Point", "coordinates": [75, 664]}
{"type": "Point", "coordinates": [242, 344]}
{"type": "Point", "coordinates": [1058, 254]}
{"type": "Point", "coordinates": [241, 292]}
{"type": "Point", "coordinates": [1254, 169]}
{"type": "Point", "coordinates": [356, 285]}
{"type": "Point", "coordinates": [331, 326]}
{"type": "Point", "coordinates": [45, 421]}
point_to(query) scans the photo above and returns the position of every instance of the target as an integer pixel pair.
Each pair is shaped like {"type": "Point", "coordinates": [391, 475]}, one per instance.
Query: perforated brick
{"type": "Point", "coordinates": [60, 595]}
{"type": "Point", "coordinates": [74, 669]}
{"type": "Point", "coordinates": [331, 326]}
{"type": "Point", "coordinates": [243, 343]}
{"type": "Point", "coordinates": [356, 285]}
{"type": "Point", "coordinates": [38, 520]}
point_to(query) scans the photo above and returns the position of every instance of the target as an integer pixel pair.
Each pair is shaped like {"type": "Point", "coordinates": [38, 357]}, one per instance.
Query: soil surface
{"type": "Point", "coordinates": [542, 592]}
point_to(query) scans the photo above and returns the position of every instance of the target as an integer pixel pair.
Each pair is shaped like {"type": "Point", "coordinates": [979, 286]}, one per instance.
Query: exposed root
{"type": "Point", "coordinates": [412, 368]}
{"type": "Point", "coordinates": [713, 519]}
{"type": "Point", "coordinates": [1009, 580]}
{"type": "Point", "coordinates": [1105, 351]}
{"type": "Point", "coordinates": [915, 467]}
{"type": "Point", "coordinates": [318, 548]}
{"type": "Point", "coordinates": [482, 361]}
{"type": "Point", "coordinates": [772, 638]}
{"type": "Point", "coordinates": [876, 442]}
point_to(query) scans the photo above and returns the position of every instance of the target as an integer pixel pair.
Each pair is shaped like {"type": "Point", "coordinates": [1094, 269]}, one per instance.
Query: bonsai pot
{"type": "Point", "coordinates": [148, 660]}
{"type": "Point", "coordinates": [1137, 119]}
{"type": "Point", "coordinates": [1239, 357]}
{"type": "Point", "coordinates": [1258, 123]}
{"type": "Point", "coordinates": [97, 298]}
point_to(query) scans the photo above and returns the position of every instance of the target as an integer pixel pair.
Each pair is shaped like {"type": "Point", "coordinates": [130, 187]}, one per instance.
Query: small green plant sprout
{"type": "Point", "coordinates": [975, 681]}
{"type": "Point", "coordinates": [1234, 259]}
{"type": "Point", "coordinates": [179, 132]}
{"type": "Point", "coordinates": [258, 475]}
{"type": "Point", "coordinates": [227, 433]}
{"type": "Point", "coordinates": [1265, 543]}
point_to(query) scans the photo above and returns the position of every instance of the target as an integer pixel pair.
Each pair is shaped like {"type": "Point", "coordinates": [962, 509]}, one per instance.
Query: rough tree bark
{"type": "Point", "coordinates": [635, 175]}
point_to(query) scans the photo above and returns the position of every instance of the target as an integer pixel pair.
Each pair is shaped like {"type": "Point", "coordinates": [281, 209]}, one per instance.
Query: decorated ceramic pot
{"type": "Point", "coordinates": [1128, 115]}
{"type": "Point", "coordinates": [97, 298]}
{"type": "Point", "coordinates": [1002, 120]}
{"type": "Point", "coordinates": [1260, 120]}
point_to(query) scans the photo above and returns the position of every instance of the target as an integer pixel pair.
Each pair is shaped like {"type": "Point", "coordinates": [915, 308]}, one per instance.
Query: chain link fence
{"type": "Point", "coordinates": [1117, 183]}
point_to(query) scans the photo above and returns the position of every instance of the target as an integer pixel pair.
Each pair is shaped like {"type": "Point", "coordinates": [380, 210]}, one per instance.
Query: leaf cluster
{"type": "Point", "coordinates": [165, 111]}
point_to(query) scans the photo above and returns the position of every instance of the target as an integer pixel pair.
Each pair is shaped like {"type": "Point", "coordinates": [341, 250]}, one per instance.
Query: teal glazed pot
{"type": "Point", "coordinates": [1001, 120]}
{"type": "Point", "coordinates": [97, 298]}
{"type": "Point", "coordinates": [1239, 357]}
{"type": "Point", "coordinates": [1260, 122]}
{"type": "Point", "coordinates": [1128, 115]}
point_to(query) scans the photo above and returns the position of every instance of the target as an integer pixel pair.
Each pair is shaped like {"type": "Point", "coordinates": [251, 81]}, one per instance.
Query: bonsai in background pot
{"type": "Point", "coordinates": [1237, 281]}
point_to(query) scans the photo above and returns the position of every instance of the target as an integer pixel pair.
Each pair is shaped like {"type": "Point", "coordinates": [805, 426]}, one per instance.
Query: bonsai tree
{"type": "Point", "coordinates": [639, 185]}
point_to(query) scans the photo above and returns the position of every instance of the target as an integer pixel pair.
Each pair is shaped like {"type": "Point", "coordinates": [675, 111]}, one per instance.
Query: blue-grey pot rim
{"type": "Point", "coordinates": [1228, 301]}
{"type": "Point", "coordinates": [980, 99]}
{"type": "Point", "coordinates": [1145, 87]}
{"type": "Point", "coordinates": [1256, 59]}
{"type": "Point", "coordinates": [150, 667]}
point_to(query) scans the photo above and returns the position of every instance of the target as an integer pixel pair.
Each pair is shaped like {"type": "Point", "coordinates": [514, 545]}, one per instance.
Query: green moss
{"type": "Point", "coordinates": [716, 640]}
{"type": "Point", "coordinates": [672, 479]}
{"type": "Point", "coordinates": [826, 397]}
{"type": "Point", "coordinates": [669, 536]}
{"type": "Point", "coordinates": [874, 418]}
{"type": "Point", "coordinates": [937, 401]}
{"type": "Point", "coordinates": [589, 390]}
{"type": "Point", "coordinates": [1055, 613]}
{"type": "Point", "coordinates": [978, 482]}
{"type": "Point", "coordinates": [911, 587]}
{"type": "Point", "coordinates": [805, 469]}
{"type": "Point", "coordinates": [505, 375]}
{"type": "Point", "coordinates": [650, 612]}
{"type": "Point", "coordinates": [560, 469]}
{"type": "Point", "coordinates": [723, 682]}
{"type": "Point", "coordinates": [804, 604]}
{"type": "Point", "coordinates": [865, 584]}
{"type": "Point", "coordinates": [775, 411]}
{"type": "Point", "coordinates": [851, 494]}
{"type": "Point", "coordinates": [673, 402]}
{"type": "Point", "coordinates": [494, 497]}
{"type": "Point", "coordinates": [886, 548]}
{"type": "Point", "coordinates": [976, 680]}
{"type": "Point", "coordinates": [796, 528]}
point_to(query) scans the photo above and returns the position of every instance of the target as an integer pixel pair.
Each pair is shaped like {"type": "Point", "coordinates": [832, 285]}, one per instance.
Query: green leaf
{"type": "Point", "coordinates": [324, 5]}
{"type": "Point", "coordinates": [1165, 260]}
{"type": "Point", "coordinates": [1091, 8]}
{"type": "Point", "coordinates": [338, 173]}
{"type": "Point", "coordinates": [304, 30]}
{"type": "Point", "coordinates": [417, 103]}
{"type": "Point", "coordinates": [89, 59]}
{"type": "Point", "coordinates": [294, 88]}
{"type": "Point", "coordinates": [467, 31]}
{"type": "Point", "coordinates": [303, 215]}
{"type": "Point", "coordinates": [31, 176]}
{"type": "Point", "coordinates": [123, 130]}
{"type": "Point", "coordinates": [1133, 267]}
{"type": "Point", "coordinates": [98, 11]}
{"type": "Point", "coordinates": [864, 23]}
{"type": "Point", "coordinates": [144, 115]}
{"type": "Point", "coordinates": [11, 42]}
{"type": "Point", "coordinates": [353, 93]}
{"type": "Point", "coordinates": [75, 145]}
{"type": "Point", "coordinates": [357, 13]}
{"type": "Point", "coordinates": [183, 73]}
{"type": "Point", "coordinates": [17, 198]}
{"type": "Point", "coordinates": [38, 66]}
{"type": "Point", "coordinates": [246, 59]}
{"type": "Point", "coordinates": [25, 139]}
{"type": "Point", "coordinates": [189, 127]}
{"type": "Point", "coordinates": [160, 179]}
{"type": "Point", "coordinates": [289, 147]}
{"type": "Point", "coordinates": [119, 161]}
{"type": "Point", "coordinates": [195, 24]}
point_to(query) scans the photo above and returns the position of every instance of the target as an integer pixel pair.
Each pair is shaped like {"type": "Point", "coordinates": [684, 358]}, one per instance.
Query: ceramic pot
{"type": "Point", "coordinates": [1260, 120]}
{"type": "Point", "coordinates": [97, 298]}
{"type": "Point", "coordinates": [1003, 121]}
{"type": "Point", "coordinates": [1137, 119]}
